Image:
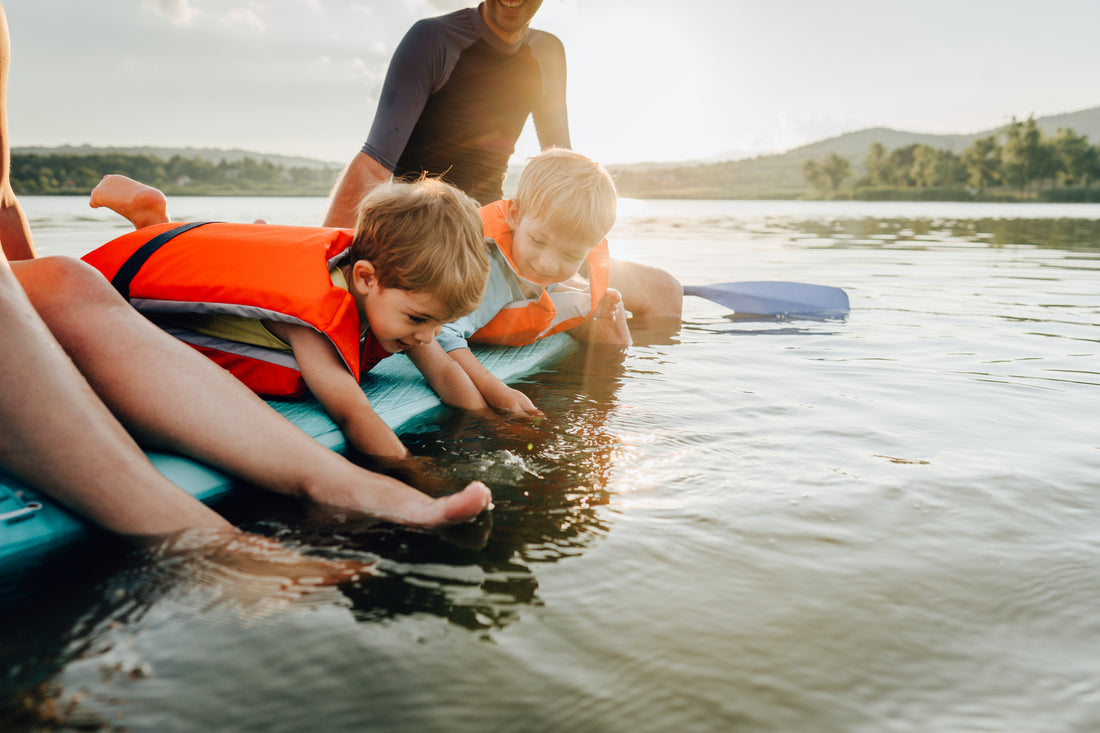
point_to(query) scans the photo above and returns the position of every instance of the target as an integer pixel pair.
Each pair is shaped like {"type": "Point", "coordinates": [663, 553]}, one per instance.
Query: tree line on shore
{"type": "Point", "coordinates": [1018, 162]}
{"type": "Point", "coordinates": [77, 174]}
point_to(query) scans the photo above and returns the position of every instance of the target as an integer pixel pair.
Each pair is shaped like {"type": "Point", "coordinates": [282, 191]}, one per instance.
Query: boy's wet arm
{"type": "Point", "coordinates": [340, 395]}
{"type": "Point", "coordinates": [348, 406]}
{"type": "Point", "coordinates": [446, 377]}
{"type": "Point", "coordinates": [496, 393]}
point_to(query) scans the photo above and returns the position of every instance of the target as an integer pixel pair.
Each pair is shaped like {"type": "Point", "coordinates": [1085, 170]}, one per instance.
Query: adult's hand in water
{"type": "Point", "coordinates": [608, 324]}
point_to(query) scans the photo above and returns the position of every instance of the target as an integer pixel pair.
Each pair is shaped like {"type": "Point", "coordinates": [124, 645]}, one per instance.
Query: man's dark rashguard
{"type": "Point", "coordinates": [456, 99]}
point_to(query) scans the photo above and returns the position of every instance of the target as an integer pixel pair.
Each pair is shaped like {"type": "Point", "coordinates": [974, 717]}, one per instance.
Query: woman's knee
{"type": "Point", "coordinates": [63, 282]}
{"type": "Point", "coordinates": [61, 273]}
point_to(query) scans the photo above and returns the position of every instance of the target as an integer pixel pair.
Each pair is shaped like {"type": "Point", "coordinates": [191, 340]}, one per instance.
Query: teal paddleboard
{"type": "Point", "coordinates": [30, 522]}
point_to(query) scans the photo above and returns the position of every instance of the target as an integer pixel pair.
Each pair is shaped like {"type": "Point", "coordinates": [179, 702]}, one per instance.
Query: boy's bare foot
{"type": "Point", "coordinates": [142, 205]}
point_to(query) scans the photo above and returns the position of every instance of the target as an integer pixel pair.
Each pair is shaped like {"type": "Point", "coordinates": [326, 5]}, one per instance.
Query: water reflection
{"type": "Point", "coordinates": [753, 325]}
{"type": "Point", "coordinates": [48, 623]}
{"type": "Point", "coordinates": [549, 476]}
{"type": "Point", "coordinates": [861, 224]}
{"type": "Point", "coordinates": [934, 233]}
{"type": "Point", "coordinates": [84, 605]}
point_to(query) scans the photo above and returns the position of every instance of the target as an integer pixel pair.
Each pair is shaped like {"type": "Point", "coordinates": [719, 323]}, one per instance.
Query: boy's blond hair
{"type": "Point", "coordinates": [573, 193]}
{"type": "Point", "coordinates": [425, 236]}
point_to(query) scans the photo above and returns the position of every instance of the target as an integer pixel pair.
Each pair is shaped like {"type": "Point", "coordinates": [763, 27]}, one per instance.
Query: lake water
{"type": "Point", "coordinates": [888, 522]}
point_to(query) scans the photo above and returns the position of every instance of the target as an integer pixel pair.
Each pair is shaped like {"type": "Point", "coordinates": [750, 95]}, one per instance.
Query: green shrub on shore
{"type": "Point", "coordinates": [1018, 163]}
{"type": "Point", "coordinates": [76, 175]}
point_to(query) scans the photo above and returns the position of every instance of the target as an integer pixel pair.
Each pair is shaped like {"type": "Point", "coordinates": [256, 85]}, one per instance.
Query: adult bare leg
{"type": "Point", "coordinates": [172, 397]}
{"type": "Point", "coordinates": [647, 290]}
{"type": "Point", "coordinates": [56, 434]}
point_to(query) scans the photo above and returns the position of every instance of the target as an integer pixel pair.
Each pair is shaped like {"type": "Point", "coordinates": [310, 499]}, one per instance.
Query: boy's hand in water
{"type": "Point", "coordinates": [503, 398]}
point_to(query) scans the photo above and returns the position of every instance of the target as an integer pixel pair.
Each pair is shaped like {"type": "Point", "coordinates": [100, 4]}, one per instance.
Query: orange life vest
{"type": "Point", "coordinates": [279, 273]}
{"type": "Point", "coordinates": [526, 321]}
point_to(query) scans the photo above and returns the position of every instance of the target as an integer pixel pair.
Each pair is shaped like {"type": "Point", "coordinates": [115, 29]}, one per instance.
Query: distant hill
{"type": "Point", "coordinates": [766, 176]}
{"type": "Point", "coordinates": [780, 175]}
{"type": "Point", "coordinates": [213, 155]}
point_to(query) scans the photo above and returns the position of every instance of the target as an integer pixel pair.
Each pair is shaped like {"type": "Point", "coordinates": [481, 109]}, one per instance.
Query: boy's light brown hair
{"type": "Point", "coordinates": [424, 236]}
{"type": "Point", "coordinates": [570, 191]}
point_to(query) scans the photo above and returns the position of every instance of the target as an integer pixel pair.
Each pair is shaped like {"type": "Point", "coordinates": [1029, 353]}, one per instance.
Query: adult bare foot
{"type": "Point", "coordinates": [262, 557]}
{"type": "Point", "coordinates": [463, 506]}
{"type": "Point", "coordinates": [142, 205]}
{"type": "Point", "coordinates": [390, 499]}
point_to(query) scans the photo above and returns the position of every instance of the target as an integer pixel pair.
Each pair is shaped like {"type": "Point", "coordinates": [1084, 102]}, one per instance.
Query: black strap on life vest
{"type": "Point", "coordinates": [141, 255]}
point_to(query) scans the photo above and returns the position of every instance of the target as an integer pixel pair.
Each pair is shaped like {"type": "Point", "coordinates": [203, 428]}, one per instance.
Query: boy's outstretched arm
{"type": "Point", "coordinates": [498, 394]}
{"type": "Point", "coordinates": [338, 392]}
{"type": "Point", "coordinates": [446, 377]}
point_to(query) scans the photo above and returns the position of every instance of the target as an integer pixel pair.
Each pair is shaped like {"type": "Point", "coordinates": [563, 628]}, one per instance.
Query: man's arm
{"type": "Point", "coordinates": [338, 392]}
{"type": "Point", "coordinates": [417, 66]}
{"type": "Point", "coordinates": [551, 116]}
{"type": "Point", "coordinates": [361, 175]}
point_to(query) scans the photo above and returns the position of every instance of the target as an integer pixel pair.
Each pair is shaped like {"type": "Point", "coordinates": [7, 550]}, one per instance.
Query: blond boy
{"type": "Point", "coordinates": [290, 309]}
{"type": "Point", "coordinates": [554, 228]}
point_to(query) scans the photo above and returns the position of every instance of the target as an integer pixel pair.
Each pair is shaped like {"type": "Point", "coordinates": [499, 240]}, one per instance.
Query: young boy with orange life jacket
{"type": "Point", "coordinates": [564, 207]}
{"type": "Point", "coordinates": [292, 309]}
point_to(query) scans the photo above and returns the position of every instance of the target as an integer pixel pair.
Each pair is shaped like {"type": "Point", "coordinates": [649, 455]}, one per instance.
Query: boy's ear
{"type": "Point", "coordinates": [362, 275]}
{"type": "Point", "coordinates": [512, 218]}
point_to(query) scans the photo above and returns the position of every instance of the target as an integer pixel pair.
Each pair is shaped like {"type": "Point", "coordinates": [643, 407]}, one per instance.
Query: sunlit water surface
{"type": "Point", "coordinates": [889, 522]}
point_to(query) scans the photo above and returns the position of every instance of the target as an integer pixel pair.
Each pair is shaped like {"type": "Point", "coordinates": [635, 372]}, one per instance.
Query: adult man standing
{"type": "Point", "coordinates": [458, 91]}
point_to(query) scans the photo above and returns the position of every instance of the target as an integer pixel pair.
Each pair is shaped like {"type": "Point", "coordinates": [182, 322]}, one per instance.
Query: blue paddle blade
{"type": "Point", "coordinates": [772, 298]}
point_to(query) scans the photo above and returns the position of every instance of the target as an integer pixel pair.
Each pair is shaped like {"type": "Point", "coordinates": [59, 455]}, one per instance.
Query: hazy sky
{"type": "Point", "coordinates": [648, 80]}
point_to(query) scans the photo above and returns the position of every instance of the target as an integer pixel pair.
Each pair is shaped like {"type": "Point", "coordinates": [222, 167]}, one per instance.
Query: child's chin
{"type": "Point", "coordinates": [539, 280]}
